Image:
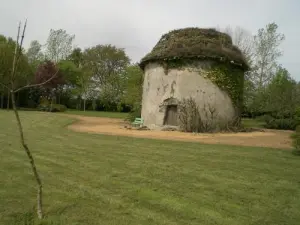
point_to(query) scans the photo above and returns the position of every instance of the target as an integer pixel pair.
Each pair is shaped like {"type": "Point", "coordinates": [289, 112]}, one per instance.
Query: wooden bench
{"type": "Point", "coordinates": [138, 121]}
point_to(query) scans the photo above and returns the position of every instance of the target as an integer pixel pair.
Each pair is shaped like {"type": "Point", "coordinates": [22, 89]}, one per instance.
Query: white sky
{"type": "Point", "coordinates": [137, 25]}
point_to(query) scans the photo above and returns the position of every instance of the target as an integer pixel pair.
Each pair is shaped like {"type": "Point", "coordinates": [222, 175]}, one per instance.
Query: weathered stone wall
{"type": "Point", "coordinates": [161, 88]}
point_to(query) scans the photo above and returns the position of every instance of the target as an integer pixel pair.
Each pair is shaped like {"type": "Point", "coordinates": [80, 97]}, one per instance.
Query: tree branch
{"type": "Point", "coordinates": [36, 85]}
{"type": "Point", "coordinates": [5, 86]}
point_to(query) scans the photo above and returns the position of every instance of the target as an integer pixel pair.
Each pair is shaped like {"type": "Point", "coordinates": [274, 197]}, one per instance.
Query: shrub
{"type": "Point", "coordinates": [191, 120]}
{"type": "Point", "coordinates": [296, 138]}
{"type": "Point", "coordinates": [135, 112]}
{"type": "Point", "coordinates": [280, 124]}
{"type": "Point", "coordinates": [58, 108]}
{"type": "Point", "coordinates": [52, 108]}
{"type": "Point", "coordinates": [190, 117]}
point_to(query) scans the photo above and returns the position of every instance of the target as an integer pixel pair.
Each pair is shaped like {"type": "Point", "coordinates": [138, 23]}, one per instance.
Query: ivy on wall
{"type": "Point", "coordinates": [228, 79]}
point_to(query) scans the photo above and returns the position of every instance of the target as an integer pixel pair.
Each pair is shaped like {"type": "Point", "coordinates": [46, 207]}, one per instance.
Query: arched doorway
{"type": "Point", "coordinates": [171, 112]}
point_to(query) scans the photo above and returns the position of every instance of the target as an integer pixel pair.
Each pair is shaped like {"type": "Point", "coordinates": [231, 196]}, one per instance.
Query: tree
{"type": "Point", "coordinates": [34, 54]}
{"type": "Point", "coordinates": [243, 39]}
{"type": "Point", "coordinates": [134, 89]}
{"type": "Point", "coordinates": [266, 54]}
{"type": "Point", "coordinates": [59, 45]}
{"type": "Point", "coordinates": [76, 57]}
{"type": "Point", "coordinates": [77, 79]}
{"type": "Point", "coordinates": [44, 72]}
{"type": "Point", "coordinates": [83, 78]}
{"type": "Point", "coordinates": [281, 94]}
{"type": "Point", "coordinates": [21, 76]}
{"type": "Point", "coordinates": [107, 64]}
{"type": "Point", "coordinates": [133, 85]}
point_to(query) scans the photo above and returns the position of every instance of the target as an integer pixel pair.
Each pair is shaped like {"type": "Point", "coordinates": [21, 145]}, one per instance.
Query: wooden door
{"type": "Point", "coordinates": [171, 115]}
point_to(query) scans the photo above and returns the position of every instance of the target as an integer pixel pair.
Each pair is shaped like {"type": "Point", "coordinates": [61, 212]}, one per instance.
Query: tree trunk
{"type": "Point", "coordinates": [30, 157]}
{"type": "Point", "coordinates": [8, 99]}
{"type": "Point", "coordinates": [84, 100]}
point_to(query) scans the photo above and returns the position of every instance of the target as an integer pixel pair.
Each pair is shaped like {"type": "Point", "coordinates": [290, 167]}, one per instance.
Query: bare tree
{"type": "Point", "coordinates": [12, 89]}
{"type": "Point", "coordinates": [244, 40]}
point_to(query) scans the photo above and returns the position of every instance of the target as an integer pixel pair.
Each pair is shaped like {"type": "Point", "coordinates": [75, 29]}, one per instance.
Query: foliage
{"type": "Point", "coordinates": [296, 138]}
{"type": "Point", "coordinates": [45, 71]}
{"type": "Point", "coordinates": [265, 53]}
{"type": "Point", "coordinates": [70, 73]}
{"type": "Point", "coordinates": [133, 90]}
{"type": "Point", "coordinates": [107, 64]}
{"type": "Point", "coordinates": [135, 112]}
{"type": "Point", "coordinates": [52, 107]}
{"type": "Point", "coordinates": [195, 43]}
{"type": "Point", "coordinates": [281, 94]}
{"type": "Point", "coordinates": [76, 57]}
{"type": "Point", "coordinates": [192, 119]}
{"type": "Point", "coordinates": [24, 72]}
{"type": "Point", "coordinates": [133, 85]}
{"type": "Point", "coordinates": [59, 45]}
{"type": "Point", "coordinates": [229, 79]}
{"type": "Point", "coordinates": [266, 50]}
{"type": "Point", "coordinates": [34, 54]}
{"type": "Point", "coordinates": [280, 97]}
{"type": "Point", "coordinates": [280, 124]}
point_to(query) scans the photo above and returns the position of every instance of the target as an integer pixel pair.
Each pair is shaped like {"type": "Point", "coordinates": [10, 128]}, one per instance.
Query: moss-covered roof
{"type": "Point", "coordinates": [195, 43]}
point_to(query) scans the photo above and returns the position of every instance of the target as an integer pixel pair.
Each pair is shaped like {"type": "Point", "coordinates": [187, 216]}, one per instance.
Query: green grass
{"type": "Point", "coordinates": [97, 114]}
{"type": "Point", "coordinates": [98, 179]}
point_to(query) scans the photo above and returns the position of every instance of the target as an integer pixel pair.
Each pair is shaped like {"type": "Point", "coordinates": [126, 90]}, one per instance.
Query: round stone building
{"type": "Point", "coordinates": [193, 76]}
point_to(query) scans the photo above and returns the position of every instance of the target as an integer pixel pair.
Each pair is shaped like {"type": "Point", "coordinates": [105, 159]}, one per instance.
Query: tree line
{"type": "Point", "coordinates": [102, 77]}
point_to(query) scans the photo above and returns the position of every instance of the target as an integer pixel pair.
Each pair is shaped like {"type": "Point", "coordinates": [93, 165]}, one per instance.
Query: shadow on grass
{"type": "Point", "coordinates": [296, 152]}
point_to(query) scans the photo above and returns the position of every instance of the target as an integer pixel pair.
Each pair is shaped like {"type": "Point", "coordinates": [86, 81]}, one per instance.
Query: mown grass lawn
{"type": "Point", "coordinates": [119, 115]}
{"type": "Point", "coordinates": [97, 179]}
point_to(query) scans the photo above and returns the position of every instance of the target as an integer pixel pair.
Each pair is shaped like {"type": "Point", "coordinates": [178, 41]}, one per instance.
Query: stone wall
{"type": "Point", "coordinates": [161, 89]}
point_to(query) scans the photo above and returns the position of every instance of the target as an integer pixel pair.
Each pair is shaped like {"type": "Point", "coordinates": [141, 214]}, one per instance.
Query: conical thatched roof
{"type": "Point", "coordinates": [195, 43]}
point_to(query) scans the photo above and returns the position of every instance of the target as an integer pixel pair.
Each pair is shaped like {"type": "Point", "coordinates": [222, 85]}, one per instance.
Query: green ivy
{"type": "Point", "coordinates": [229, 79]}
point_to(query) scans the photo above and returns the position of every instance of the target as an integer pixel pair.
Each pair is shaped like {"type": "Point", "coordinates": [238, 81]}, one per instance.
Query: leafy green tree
{"type": "Point", "coordinates": [134, 85]}
{"type": "Point", "coordinates": [265, 53]}
{"type": "Point", "coordinates": [34, 54]}
{"type": "Point", "coordinates": [134, 89]}
{"type": "Point", "coordinates": [22, 76]}
{"type": "Point", "coordinates": [83, 81]}
{"type": "Point", "coordinates": [78, 79]}
{"type": "Point", "coordinates": [107, 64]}
{"type": "Point", "coordinates": [281, 94]}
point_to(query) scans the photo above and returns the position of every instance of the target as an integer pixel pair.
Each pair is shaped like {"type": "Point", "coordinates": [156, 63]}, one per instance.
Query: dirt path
{"type": "Point", "coordinates": [269, 138]}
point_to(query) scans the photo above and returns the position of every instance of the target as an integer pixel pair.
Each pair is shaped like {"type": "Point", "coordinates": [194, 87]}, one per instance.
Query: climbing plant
{"type": "Point", "coordinates": [228, 79]}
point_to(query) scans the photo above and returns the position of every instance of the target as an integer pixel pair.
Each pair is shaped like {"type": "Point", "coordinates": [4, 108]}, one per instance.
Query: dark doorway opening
{"type": "Point", "coordinates": [171, 117]}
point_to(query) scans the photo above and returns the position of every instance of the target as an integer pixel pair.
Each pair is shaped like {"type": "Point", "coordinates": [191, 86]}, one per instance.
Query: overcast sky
{"type": "Point", "coordinates": [137, 25]}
